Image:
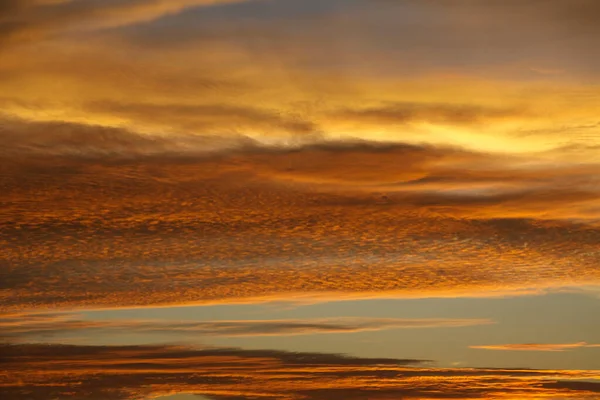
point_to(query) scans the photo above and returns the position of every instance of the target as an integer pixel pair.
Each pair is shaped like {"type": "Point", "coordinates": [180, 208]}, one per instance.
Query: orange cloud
{"type": "Point", "coordinates": [30, 327]}
{"type": "Point", "coordinates": [227, 89]}
{"type": "Point", "coordinates": [536, 346]}
{"type": "Point", "coordinates": [42, 371]}
{"type": "Point", "coordinates": [309, 165]}
{"type": "Point", "coordinates": [196, 219]}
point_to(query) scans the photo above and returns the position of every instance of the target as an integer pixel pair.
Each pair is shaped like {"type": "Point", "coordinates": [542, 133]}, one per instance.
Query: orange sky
{"type": "Point", "coordinates": [156, 153]}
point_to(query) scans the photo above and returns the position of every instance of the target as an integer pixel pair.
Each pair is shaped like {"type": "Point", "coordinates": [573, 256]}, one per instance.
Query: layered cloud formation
{"type": "Point", "coordinates": [40, 372]}
{"type": "Point", "coordinates": [160, 152]}
{"type": "Point", "coordinates": [283, 70]}
{"type": "Point", "coordinates": [144, 220]}
{"type": "Point", "coordinates": [41, 327]}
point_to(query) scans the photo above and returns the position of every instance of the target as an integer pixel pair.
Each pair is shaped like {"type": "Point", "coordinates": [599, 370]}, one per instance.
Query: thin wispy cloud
{"type": "Point", "coordinates": [34, 19]}
{"type": "Point", "coordinates": [536, 346]}
{"type": "Point", "coordinates": [63, 326]}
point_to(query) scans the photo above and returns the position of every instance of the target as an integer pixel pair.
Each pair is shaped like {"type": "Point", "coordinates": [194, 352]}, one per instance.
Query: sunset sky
{"type": "Point", "coordinates": [299, 199]}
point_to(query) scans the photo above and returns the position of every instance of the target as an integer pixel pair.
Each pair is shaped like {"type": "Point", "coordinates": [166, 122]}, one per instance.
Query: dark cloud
{"type": "Point", "coordinates": [43, 371]}
{"type": "Point", "coordinates": [593, 387]}
{"type": "Point", "coordinates": [19, 139]}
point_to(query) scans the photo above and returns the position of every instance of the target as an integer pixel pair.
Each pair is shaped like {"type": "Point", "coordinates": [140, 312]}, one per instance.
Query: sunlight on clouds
{"type": "Point", "coordinates": [125, 372]}
{"type": "Point", "coordinates": [165, 93]}
{"type": "Point", "coordinates": [194, 152]}
{"type": "Point", "coordinates": [536, 346]}
{"type": "Point", "coordinates": [63, 327]}
{"type": "Point", "coordinates": [270, 217]}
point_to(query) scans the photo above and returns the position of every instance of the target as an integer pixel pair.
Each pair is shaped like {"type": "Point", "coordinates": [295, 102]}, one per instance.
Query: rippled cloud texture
{"type": "Point", "coordinates": [120, 219]}
{"type": "Point", "coordinates": [178, 152]}
{"type": "Point", "coordinates": [137, 170]}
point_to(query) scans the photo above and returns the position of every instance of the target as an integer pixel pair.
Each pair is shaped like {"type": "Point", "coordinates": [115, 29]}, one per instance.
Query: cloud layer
{"type": "Point", "coordinates": [158, 152]}
{"type": "Point", "coordinates": [95, 216]}
{"type": "Point", "coordinates": [82, 372]}
{"type": "Point", "coordinates": [62, 326]}
{"type": "Point", "coordinates": [286, 69]}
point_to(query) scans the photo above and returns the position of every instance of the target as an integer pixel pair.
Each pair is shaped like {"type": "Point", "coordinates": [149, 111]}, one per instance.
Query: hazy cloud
{"type": "Point", "coordinates": [35, 19]}
{"type": "Point", "coordinates": [211, 118]}
{"type": "Point", "coordinates": [19, 139]}
{"type": "Point", "coordinates": [450, 114]}
{"type": "Point", "coordinates": [258, 77]}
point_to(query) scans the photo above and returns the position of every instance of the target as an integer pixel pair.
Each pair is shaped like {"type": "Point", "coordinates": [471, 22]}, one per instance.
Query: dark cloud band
{"type": "Point", "coordinates": [143, 371]}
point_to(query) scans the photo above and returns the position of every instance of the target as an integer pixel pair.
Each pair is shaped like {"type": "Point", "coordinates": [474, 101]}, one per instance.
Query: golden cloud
{"type": "Point", "coordinates": [229, 88]}
{"type": "Point", "coordinates": [141, 220]}
{"type": "Point", "coordinates": [536, 346]}
{"type": "Point", "coordinates": [277, 163]}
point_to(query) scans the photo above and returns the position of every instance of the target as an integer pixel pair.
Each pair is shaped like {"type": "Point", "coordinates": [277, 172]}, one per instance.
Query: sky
{"type": "Point", "coordinates": [299, 199]}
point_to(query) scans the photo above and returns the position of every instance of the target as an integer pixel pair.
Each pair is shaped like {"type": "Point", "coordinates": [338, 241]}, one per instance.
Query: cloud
{"type": "Point", "coordinates": [128, 219]}
{"type": "Point", "coordinates": [405, 113]}
{"type": "Point", "coordinates": [87, 141]}
{"type": "Point", "coordinates": [28, 327]}
{"type": "Point", "coordinates": [211, 118]}
{"type": "Point", "coordinates": [150, 371]}
{"type": "Point", "coordinates": [234, 154]}
{"type": "Point", "coordinates": [260, 78]}
{"type": "Point", "coordinates": [35, 19]}
{"type": "Point", "coordinates": [536, 346]}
